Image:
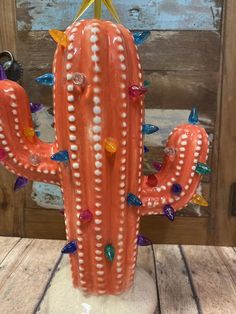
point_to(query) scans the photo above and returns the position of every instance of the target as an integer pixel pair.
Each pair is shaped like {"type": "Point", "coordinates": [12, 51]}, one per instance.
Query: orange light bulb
{"type": "Point", "coordinates": [111, 145]}
{"type": "Point", "coordinates": [29, 134]}
{"type": "Point", "coordinates": [199, 200]}
{"type": "Point", "coordinates": [59, 37]}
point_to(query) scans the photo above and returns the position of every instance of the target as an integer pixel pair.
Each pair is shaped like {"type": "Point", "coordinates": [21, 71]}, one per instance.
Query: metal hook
{"type": "Point", "coordinates": [7, 64]}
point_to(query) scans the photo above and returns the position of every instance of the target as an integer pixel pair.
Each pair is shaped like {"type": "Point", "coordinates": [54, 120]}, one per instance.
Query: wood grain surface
{"type": "Point", "coordinates": [190, 279]}
{"type": "Point", "coordinates": [135, 14]}
{"type": "Point", "coordinates": [222, 226]}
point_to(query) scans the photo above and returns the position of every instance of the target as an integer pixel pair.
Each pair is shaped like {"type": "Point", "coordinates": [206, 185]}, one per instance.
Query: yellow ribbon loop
{"type": "Point", "coordinates": [98, 8]}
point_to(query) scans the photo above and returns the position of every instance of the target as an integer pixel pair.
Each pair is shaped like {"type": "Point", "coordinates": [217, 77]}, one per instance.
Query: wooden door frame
{"type": "Point", "coordinates": [217, 229]}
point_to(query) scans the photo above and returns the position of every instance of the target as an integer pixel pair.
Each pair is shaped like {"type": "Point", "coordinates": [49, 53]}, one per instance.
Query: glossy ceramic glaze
{"type": "Point", "coordinates": [85, 116]}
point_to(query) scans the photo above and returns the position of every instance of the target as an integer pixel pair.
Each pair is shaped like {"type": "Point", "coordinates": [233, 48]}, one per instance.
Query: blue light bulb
{"type": "Point", "coordinates": [141, 36]}
{"type": "Point", "coordinates": [46, 79]}
{"type": "Point", "coordinates": [61, 156]}
{"type": "Point", "coordinates": [70, 248]}
{"type": "Point", "coordinates": [133, 200]}
{"type": "Point", "coordinates": [143, 241]}
{"type": "Point", "coordinates": [176, 188]}
{"type": "Point", "coordinates": [193, 117]}
{"type": "Point", "coordinates": [169, 212]}
{"type": "Point", "coordinates": [149, 129]}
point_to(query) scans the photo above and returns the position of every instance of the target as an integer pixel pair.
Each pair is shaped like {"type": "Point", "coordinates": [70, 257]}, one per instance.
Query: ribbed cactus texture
{"type": "Point", "coordinates": [94, 179]}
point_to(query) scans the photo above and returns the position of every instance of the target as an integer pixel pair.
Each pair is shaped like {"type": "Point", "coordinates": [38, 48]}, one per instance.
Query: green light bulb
{"type": "Point", "coordinates": [110, 252]}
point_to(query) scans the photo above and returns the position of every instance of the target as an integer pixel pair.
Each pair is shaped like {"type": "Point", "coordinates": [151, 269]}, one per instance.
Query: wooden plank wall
{"type": "Point", "coordinates": [181, 60]}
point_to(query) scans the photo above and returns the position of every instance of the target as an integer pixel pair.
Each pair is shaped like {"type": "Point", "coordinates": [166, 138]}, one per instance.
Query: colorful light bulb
{"type": "Point", "coordinates": [140, 37]}
{"type": "Point", "coordinates": [37, 133]}
{"type": "Point", "coordinates": [20, 183]}
{"type": "Point", "coordinates": [70, 248]}
{"type": "Point", "coordinates": [176, 189]}
{"type": "Point", "coordinates": [169, 212]}
{"type": "Point", "coordinates": [147, 83]}
{"type": "Point", "coordinates": [157, 165]}
{"type": "Point", "coordinates": [149, 129]}
{"type": "Point", "coordinates": [62, 211]}
{"type": "Point", "coordinates": [193, 117]}
{"type": "Point", "coordinates": [152, 181]}
{"type": "Point", "coordinates": [143, 241]}
{"type": "Point", "coordinates": [199, 200]}
{"type": "Point", "coordinates": [79, 79]}
{"type": "Point", "coordinates": [61, 156]}
{"type": "Point", "coordinates": [133, 200]}
{"type": "Point", "coordinates": [136, 91]}
{"type": "Point", "coordinates": [110, 145]}
{"type": "Point", "coordinates": [3, 154]}
{"type": "Point", "coordinates": [35, 107]}
{"type": "Point", "coordinates": [59, 37]}
{"type": "Point", "coordinates": [86, 216]}
{"type": "Point", "coordinates": [202, 168]}
{"type": "Point", "coordinates": [34, 160]}
{"type": "Point", "coordinates": [46, 79]}
{"type": "Point", "coordinates": [29, 134]}
{"type": "Point", "coordinates": [3, 75]}
{"type": "Point", "coordinates": [146, 150]}
{"type": "Point", "coordinates": [109, 252]}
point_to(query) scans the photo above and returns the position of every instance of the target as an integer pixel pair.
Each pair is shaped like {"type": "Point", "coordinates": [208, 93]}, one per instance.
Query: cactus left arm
{"type": "Point", "coordinates": [191, 144]}
{"type": "Point", "coordinates": [15, 116]}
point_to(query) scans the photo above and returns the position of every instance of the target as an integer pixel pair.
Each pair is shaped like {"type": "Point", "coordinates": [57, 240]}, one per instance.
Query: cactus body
{"type": "Point", "coordinates": [96, 180]}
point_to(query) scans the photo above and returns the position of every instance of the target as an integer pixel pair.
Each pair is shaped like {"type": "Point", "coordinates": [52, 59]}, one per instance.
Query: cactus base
{"type": "Point", "coordinates": [62, 297]}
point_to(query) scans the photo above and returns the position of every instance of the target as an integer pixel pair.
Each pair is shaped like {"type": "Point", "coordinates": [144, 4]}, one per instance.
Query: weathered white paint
{"type": "Point", "coordinates": [47, 195]}
{"type": "Point", "coordinates": [135, 14]}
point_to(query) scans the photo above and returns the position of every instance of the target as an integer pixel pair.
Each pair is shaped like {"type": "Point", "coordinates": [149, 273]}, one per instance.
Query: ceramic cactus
{"type": "Point", "coordinates": [99, 123]}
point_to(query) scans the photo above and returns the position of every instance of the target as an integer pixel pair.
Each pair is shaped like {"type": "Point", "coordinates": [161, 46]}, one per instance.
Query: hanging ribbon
{"type": "Point", "coordinates": [98, 8]}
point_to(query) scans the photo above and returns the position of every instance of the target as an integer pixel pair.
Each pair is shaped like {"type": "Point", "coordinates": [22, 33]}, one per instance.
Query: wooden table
{"type": "Point", "coordinates": [191, 279]}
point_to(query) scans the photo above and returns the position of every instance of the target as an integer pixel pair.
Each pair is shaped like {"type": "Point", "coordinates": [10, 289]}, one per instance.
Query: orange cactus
{"type": "Point", "coordinates": [87, 117]}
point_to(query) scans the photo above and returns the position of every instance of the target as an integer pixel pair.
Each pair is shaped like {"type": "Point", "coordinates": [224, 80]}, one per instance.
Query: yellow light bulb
{"type": "Point", "coordinates": [29, 133]}
{"type": "Point", "coordinates": [59, 37]}
{"type": "Point", "coordinates": [111, 145]}
{"type": "Point", "coordinates": [199, 200]}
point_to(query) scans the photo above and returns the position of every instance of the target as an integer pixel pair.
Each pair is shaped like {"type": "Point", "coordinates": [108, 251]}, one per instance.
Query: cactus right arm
{"type": "Point", "coordinates": [15, 116]}
{"type": "Point", "coordinates": [191, 144]}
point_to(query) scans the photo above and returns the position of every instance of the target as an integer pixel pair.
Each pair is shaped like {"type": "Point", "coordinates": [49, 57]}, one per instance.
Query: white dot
{"type": "Point", "coordinates": [69, 77]}
{"type": "Point", "coordinates": [123, 67]}
{"type": "Point", "coordinates": [68, 66]}
{"type": "Point", "coordinates": [71, 118]}
{"type": "Point", "coordinates": [96, 129]}
{"type": "Point", "coordinates": [93, 39]}
{"type": "Point", "coordinates": [97, 172]}
{"type": "Point", "coordinates": [96, 100]}
{"type": "Point", "coordinates": [98, 164]}
{"type": "Point", "coordinates": [72, 137]}
{"type": "Point", "coordinates": [97, 147]}
{"type": "Point", "coordinates": [97, 110]}
{"type": "Point", "coordinates": [75, 165]}
{"type": "Point", "coordinates": [70, 98]}
{"type": "Point", "coordinates": [72, 128]}
{"type": "Point", "coordinates": [74, 147]}
{"type": "Point", "coordinates": [69, 56]}
{"type": "Point", "coordinates": [98, 156]}
{"type": "Point", "coordinates": [94, 48]}
{"type": "Point", "coordinates": [95, 58]}
{"type": "Point", "coordinates": [96, 79]}
{"type": "Point", "coordinates": [96, 138]}
{"type": "Point", "coordinates": [97, 120]}
{"type": "Point", "coordinates": [70, 88]}
{"type": "Point", "coordinates": [71, 108]}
